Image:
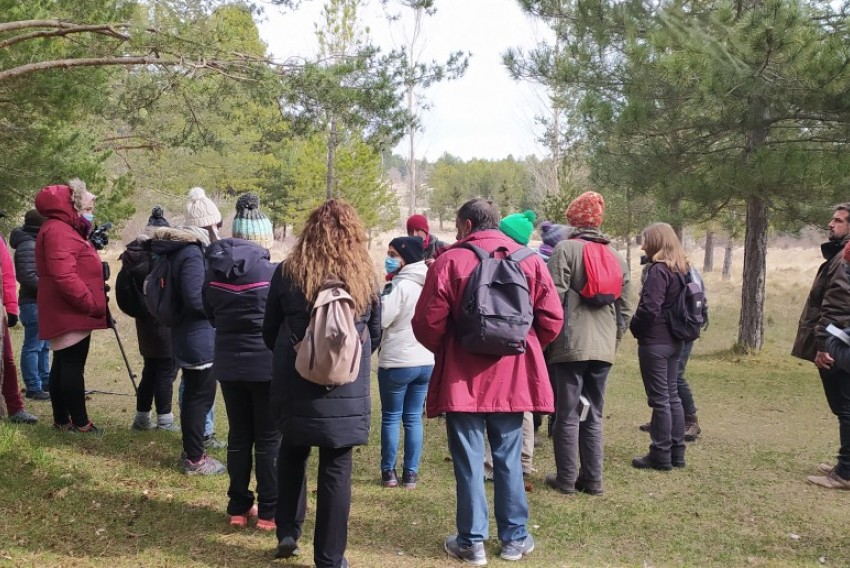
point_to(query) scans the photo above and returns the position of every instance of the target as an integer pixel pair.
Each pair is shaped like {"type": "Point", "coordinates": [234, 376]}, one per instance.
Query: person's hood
{"type": "Point", "coordinates": [21, 234]}
{"type": "Point", "coordinates": [590, 234]}
{"type": "Point", "coordinates": [832, 247]}
{"type": "Point", "coordinates": [231, 258]}
{"type": "Point", "coordinates": [167, 240]}
{"type": "Point", "coordinates": [137, 254]}
{"type": "Point", "coordinates": [415, 272]}
{"type": "Point", "coordinates": [54, 202]}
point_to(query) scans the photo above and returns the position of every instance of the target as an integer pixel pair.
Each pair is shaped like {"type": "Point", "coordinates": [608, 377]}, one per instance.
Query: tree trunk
{"type": "Point", "coordinates": [675, 211]}
{"type": "Point", "coordinates": [727, 261]}
{"type": "Point", "coordinates": [329, 179]}
{"type": "Point", "coordinates": [708, 259]}
{"type": "Point", "coordinates": [411, 156]}
{"type": "Point", "coordinates": [629, 253]}
{"type": "Point", "coordinates": [751, 322]}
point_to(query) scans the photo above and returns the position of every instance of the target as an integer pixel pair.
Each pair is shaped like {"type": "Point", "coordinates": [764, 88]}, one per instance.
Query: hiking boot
{"type": "Point", "coordinates": [516, 549]}
{"type": "Point", "coordinates": [241, 521]}
{"type": "Point", "coordinates": [142, 422]}
{"type": "Point", "coordinates": [38, 395]}
{"type": "Point", "coordinates": [89, 429]}
{"type": "Point", "coordinates": [589, 487]}
{"type": "Point", "coordinates": [474, 554]}
{"type": "Point", "coordinates": [204, 466]}
{"type": "Point", "coordinates": [830, 481]}
{"type": "Point", "coordinates": [825, 467]}
{"type": "Point", "coordinates": [409, 479]}
{"type": "Point", "coordinates": [645, 427]}
{"type": "Point", "coordinates": [552, 481]}
{"type": "Point", "coordinates": [212, 443]}
{"type": "Point", "coordinates": [646, 462]}
{"type": "Point", "coordinates": [692, 429]}
{"type": "Point", "coordinates": [23, 417]}
{"type": "Point", "coordinates": [287, 548]}
{"type": "Point", "coordinates": [389, 478]}
{"type": "Point", "coordinates": [67, 427]}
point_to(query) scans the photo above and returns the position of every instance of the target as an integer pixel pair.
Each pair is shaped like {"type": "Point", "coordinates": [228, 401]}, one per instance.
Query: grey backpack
{"type": "Point", "coordinates": [496, 312]}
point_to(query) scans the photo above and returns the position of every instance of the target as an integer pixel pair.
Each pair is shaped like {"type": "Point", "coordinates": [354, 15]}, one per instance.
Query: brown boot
{"type": "Point", "coordinates": [692, 429]}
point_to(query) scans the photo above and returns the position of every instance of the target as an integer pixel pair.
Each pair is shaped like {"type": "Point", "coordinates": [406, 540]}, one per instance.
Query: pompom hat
{"type": "Point", "coordinates": [157, 219]}
{"type": "Point", "coordinates": [586, 210]}
{"type": "Point", "coordinates": [519, 226]}
{"type": "Point", "coordinates": [250, 223]}
{"type": "Point", "coordinates": [200, 210]}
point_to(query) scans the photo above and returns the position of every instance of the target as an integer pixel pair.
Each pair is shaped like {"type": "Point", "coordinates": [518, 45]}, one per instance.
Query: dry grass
{"type": "Point", "coordinates": [119, 501]}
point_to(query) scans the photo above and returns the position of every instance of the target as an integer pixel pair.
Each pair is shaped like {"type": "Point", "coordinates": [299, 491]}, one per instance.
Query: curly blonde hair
{"type": "Point", "coordinates": [332, 246]}
{"type": "Point", "coordinates": [662, 245]}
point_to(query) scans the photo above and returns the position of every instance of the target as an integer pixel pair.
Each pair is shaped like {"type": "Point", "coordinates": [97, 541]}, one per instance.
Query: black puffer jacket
{"type": "Point", "coordinates": [235, 291]}
{"type": "Point", "coordinates": [154, 338]}
{"type": "Point", "coordinates": [193, 338]}
{"type": "Point", "coordinates": [309, 414]}
{"type": "Point", "coordinates": [22, 240]}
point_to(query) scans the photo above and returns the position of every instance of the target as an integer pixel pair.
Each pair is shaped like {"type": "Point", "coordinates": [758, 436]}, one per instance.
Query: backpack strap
{"type": "Point", "coordinates": [521, 254]}
{"type": "Point", "coordinates": [479, 252]}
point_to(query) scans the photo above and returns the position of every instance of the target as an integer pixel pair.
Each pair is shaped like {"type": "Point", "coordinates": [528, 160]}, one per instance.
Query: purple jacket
{"type": "Point", "coordinates": [660, 289]}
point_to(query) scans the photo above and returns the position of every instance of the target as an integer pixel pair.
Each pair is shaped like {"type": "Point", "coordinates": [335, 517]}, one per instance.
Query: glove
{"type": "Point", "coordinates": [13, 320]}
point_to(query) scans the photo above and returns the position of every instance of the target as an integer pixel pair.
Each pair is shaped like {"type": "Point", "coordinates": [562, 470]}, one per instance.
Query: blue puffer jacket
{"type": "Point", "coordinates": [22, 240]}
{"type": "Point", "coordinates": [235, 293]}
{"type": "Point", "coordinates": [193, 338]}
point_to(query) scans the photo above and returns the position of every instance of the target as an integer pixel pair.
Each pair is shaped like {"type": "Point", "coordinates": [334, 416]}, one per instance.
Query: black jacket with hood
{"type": "Point", "coordinates": [193, 338]}
{"type": "Point", "coordinates": [235, 293]}
{"type": "Point", "coordinates": [22, 239]}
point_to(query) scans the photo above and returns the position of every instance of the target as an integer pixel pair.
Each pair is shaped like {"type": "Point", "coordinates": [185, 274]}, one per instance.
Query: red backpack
{"type": "Point", "coordinates": [604, 275]}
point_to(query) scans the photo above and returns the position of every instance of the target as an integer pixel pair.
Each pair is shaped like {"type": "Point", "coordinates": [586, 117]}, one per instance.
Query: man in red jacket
{"type": "Point", "coordinates": [485, 393]}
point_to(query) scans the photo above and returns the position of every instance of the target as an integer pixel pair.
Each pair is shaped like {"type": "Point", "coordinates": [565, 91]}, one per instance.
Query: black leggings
{"type": "Point", "coordinates": [157, 383]}
{"type": "Point", "coordinates": [68, 386]}
{"type": "Point", "coordinates": [198, 398]}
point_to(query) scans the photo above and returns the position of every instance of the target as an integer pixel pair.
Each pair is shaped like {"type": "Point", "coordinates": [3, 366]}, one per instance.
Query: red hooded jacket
{"type": "Point", "coordinates": [466, 382]}
{"type": "Point", "coordinates": [71, 291]}
{"type": "Point", "coordinates": [10, 289]}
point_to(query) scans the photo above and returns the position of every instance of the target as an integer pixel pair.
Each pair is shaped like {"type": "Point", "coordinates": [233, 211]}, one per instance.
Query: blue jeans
{"type": "Point", "coordinates": [466, 443]}
{"type": "Point", "coordinates": [209, 421]}
{"type": "Point", "coordinates": [35, 352]}
{"type": "Point", "coordinates": [403, 391]}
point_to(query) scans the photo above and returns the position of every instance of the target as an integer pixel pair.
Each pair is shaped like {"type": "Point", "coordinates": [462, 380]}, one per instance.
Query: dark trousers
{"type": "Point", "coordinates": [198, 398]}
{"type": "Point", "coordinates": [68, 385]}
{"type": "Point", "coordinates": [659, 366]}
{"type": "Point", "coordinates": [836, 386]}
{"type": "Point", "coordinates": [252, 440]}
{"type": "Point", "coordinates": [158, 376]}
{"type": "Point", "coordinates": [685, 394]}
{"type": "Point", "coordinates": [574, 440]}
{"type": "Point", "coordinates": [333, 500]}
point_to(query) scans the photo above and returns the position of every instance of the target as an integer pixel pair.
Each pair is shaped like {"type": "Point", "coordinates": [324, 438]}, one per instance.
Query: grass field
{"type": "Point", "coordinates": [120, 501]}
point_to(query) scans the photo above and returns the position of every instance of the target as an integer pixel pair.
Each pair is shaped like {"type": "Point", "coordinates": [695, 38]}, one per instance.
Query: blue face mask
{"type": "Point", "coordinates": [88, 217]}
{"type": "Point", "coordinates": [391, 264]}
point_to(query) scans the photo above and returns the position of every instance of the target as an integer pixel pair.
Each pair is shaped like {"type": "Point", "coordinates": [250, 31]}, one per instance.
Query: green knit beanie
{"type": "Point", "coordinates": [519, 226]}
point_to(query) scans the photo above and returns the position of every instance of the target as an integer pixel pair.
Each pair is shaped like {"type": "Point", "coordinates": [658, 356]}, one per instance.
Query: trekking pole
{"type": "Point", "coordinates": [110, 321]}
{"type": "Point", "coordinates": [130, 372]}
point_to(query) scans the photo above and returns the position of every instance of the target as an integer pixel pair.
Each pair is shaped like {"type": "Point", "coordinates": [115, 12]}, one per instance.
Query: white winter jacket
{"type": "Point", "coordinates": [399, 347]}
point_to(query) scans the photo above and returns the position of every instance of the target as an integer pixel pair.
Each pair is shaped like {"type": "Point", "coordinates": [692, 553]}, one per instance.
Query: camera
{"type": "Point", "coordinates": [99, 237]}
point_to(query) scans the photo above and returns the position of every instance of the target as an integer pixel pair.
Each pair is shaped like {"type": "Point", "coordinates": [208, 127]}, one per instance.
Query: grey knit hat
{"type": "Point", "coordinates": [200, 210]}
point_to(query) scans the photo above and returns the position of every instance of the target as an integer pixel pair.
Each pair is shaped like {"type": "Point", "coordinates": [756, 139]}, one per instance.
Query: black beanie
{"type": "Point", "coordinates": [157, 219]}
{"type": "Point", "coordinates": [33, 218]}
{"type": "Point", "coordinates": [411, 249]}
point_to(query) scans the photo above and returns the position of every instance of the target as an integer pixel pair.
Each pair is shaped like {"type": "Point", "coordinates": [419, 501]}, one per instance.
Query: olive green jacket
{"type": "Point", "coordinates": [590, 333]}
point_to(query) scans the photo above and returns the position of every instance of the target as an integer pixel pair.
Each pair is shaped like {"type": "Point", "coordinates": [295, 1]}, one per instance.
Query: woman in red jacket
{"type": "Point", "coordinates": [71, 289]}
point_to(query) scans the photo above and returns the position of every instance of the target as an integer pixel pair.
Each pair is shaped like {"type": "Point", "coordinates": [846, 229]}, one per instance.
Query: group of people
{"type": "Point", "coordinates": [238, 319]}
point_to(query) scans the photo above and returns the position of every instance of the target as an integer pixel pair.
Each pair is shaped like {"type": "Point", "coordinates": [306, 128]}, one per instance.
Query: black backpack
{"type": "Point", "coordinates": [686, 315]}
{"type": "Point", "coordinates": [162, 292]}
{"type": "Point", "coordinates": [496, 312]}
{"type": "Point", "coordinates": [128, 288]}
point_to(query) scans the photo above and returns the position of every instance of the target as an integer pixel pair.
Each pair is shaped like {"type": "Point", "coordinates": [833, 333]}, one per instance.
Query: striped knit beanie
{"type": "Point", "coordinates": [250, 223]}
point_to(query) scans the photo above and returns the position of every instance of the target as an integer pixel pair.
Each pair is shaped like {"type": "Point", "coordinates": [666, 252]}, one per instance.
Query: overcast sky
{"type": "Point", "coordinates": [485, 114]}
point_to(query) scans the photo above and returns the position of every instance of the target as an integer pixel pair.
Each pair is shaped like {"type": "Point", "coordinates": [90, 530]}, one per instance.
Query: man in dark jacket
{"type": "Point", "coordinates": [417, 226]}
{"type": "Point", "coordinates": [829, 303]}
{"type": "Point", "coordinates": [35, 352]}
